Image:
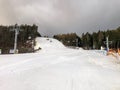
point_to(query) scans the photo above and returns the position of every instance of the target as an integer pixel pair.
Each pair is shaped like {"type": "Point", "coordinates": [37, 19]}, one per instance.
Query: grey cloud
{"type": "Point", "coordinates": [62, 16]}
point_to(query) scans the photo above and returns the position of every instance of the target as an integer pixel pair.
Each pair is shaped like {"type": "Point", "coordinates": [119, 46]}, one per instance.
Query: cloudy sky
{"type": "Point", "coordinates": [62, 16]}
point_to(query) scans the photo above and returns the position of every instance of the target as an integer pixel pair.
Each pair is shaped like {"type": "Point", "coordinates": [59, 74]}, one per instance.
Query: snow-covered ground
{"type": "Point", "coordinates": [56, 67]}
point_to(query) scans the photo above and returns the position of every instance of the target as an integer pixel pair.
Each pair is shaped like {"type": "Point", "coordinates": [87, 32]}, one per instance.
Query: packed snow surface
{"type": "Point", "coordinates": [56, 67]}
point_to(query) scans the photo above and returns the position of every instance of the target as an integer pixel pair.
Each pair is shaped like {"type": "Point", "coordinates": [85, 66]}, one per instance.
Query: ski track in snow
{"type": "Point", "coordinates": [56, 67]}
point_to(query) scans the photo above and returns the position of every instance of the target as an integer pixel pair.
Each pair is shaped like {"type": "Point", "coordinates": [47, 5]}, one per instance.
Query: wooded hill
{"type": "Point", "coordinates": [92, 41]}
{"type": "Point", "coordinates": [70, 39]}
{"type": "Point", "coordinates": [26, 38]}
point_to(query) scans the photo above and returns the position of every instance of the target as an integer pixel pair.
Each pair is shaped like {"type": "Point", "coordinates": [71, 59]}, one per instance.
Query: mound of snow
{"type": "Point", "coordinates": [81, 49]}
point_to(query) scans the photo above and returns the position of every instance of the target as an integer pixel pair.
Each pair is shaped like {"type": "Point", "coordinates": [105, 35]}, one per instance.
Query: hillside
{"type": "Point", "coordinates": [56, 67]}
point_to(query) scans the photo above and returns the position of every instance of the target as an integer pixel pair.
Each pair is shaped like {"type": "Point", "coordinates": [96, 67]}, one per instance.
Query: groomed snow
{"type": "Point", "coordinates": [56, 67]}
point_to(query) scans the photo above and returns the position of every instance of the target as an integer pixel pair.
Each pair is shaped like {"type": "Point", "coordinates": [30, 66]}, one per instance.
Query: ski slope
{"type": "Point", "coordinates": [56, 67]}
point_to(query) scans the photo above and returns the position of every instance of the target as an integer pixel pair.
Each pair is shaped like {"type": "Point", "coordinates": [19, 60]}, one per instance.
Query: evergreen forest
{"type": "Point", "coordinates": [92, 40]}
{"type": "Point", "coordinates": [25, 40]}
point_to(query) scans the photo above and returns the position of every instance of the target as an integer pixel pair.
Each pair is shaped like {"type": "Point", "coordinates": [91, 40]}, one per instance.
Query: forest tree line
{"type": "Point", "coordinates": [70, 39]}
{"type": "Point", "coordinates": [26, 38]}
{"type": "Point", "coordinates": [92, 40]}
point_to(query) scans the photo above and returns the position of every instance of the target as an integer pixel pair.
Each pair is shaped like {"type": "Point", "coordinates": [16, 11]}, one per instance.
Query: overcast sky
{"type": "Point", "coordinates": [62, 16]}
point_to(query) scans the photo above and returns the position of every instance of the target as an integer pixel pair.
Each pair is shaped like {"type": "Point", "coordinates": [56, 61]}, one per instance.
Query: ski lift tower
{"type": "Point", "coordinates": [16, 28]}
{"type": "Point", "coordinates": [107, 42]}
